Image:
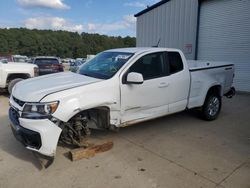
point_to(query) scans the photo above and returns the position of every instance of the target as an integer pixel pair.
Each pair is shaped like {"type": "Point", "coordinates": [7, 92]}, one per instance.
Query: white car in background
{"type": "Point", "coordinates": [11, 73]}
{"type": "Point", "coordinates": [20, 58]}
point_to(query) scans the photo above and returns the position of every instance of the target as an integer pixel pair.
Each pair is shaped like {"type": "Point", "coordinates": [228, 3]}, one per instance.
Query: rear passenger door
{"type": "Point", "coordinates": [179, 77]}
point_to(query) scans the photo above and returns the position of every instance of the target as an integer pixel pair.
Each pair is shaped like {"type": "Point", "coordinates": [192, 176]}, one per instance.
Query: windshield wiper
{"type": "Point", "coordinates": [98, 76]}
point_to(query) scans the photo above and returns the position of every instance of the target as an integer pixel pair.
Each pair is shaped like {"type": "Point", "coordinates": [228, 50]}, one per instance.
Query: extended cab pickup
{"type": "Point", "coordinates": [117, 88]}
{"type": "Point", "coordinates": [11, 73]}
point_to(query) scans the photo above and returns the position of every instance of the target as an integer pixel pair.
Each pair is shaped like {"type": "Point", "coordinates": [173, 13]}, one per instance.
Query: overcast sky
{"type": "Point", "coordinates": [111, 17]}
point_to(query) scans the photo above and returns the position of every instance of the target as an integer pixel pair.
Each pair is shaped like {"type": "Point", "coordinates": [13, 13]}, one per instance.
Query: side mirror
{"type": "Point", "coordinates": [134, 78]}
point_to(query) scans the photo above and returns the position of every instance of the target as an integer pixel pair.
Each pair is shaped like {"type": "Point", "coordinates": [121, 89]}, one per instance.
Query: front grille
{"type": "Point", "coordinates": [15, 115]}
{"type": "Point", "coordinates": [19, 102]}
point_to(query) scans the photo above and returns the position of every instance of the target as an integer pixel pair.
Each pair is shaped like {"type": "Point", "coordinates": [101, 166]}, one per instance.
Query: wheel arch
{"type": "Point", "coordinates": [13, 76]}
{"type": "Point", "coordinates": [210, 109]}
{"type": "Point", "coordinates": [216, 88]}
{"type": "Point", "coordinates": [101, 114]}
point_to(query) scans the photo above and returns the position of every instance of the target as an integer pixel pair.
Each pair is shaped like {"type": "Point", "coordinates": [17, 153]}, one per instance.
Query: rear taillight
{"type": "Point", "coordinates": [61, 67]}
{"type": "Point", "coordinates": [58, 67]}
{"type": "Point", "coordinates": [36, 71]}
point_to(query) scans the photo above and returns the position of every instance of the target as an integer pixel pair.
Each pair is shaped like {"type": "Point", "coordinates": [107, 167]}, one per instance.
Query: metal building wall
{"type": "Point", "coordinates": [174, 23]}
{"type": "Point", "coordinates": [224, 35]}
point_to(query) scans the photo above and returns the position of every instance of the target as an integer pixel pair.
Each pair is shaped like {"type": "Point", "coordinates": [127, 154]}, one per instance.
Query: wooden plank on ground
{"type": "Point", "coordinates": [85, 153]}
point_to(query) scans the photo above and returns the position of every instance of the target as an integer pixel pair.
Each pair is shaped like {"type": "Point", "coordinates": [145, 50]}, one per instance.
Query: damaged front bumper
{"type": "Point", "coordinates": [40, 135]}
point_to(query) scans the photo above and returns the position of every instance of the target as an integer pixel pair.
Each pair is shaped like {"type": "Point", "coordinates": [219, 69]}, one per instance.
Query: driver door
{"type": "Point", "coordinates": [149, 99]}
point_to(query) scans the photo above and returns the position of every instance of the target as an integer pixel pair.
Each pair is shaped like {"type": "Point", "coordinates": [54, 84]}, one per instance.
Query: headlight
{"type": "Point", "coordinates": [39, 110]}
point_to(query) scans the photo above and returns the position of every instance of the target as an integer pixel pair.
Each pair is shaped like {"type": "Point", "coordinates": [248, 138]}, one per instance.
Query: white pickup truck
{"type": "Point", "coordinates": [11, 73]}
{"type": "Point", "coordinates": [117, 88]}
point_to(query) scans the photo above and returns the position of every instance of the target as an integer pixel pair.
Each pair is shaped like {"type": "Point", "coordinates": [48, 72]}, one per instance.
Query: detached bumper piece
{"type": "Point", "coordinates": [27, 137]}
{"type": "Point", "coordinates": [230, 93]}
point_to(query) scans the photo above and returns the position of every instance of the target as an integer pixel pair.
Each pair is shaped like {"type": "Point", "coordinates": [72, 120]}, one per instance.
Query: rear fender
{"type": "Point", "coordinates": [216, 87]}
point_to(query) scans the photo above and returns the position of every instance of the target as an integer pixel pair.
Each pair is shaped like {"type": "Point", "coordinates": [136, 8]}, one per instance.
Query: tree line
{"type": "Point", "coordinates": [62, 44]}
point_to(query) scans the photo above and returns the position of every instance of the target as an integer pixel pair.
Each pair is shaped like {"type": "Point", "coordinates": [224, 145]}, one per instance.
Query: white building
{"type": "Point", "coordinates": [203, 29]}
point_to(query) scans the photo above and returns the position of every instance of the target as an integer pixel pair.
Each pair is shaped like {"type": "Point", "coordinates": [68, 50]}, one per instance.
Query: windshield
{"type": "Point", "coordinates": [105, 64]}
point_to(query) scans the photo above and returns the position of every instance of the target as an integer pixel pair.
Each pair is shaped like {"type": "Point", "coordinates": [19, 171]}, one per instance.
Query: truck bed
{"type": "Point", "coordinates": [201, 65]}
{"type": "Point", "coordinates": [208, 73]}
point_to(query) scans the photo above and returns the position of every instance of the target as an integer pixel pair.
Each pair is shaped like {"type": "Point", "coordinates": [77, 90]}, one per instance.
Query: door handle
{"type": "Point", "coordinates": [163, 85]}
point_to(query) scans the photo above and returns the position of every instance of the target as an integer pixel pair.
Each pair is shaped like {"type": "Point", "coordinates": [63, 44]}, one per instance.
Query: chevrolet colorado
{"type": "Point", "coordinates": [117, 88]}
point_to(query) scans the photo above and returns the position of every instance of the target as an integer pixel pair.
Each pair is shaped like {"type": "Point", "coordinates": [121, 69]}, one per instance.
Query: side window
{"type": "Point", "coordinates": [150, 66]}
{"type": "Point", "coordinates": [175, 62]}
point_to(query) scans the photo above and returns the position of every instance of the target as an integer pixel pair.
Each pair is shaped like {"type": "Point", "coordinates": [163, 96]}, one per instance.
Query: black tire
{"type": "Point", "coordinates": [212, 106]}
{"type": "Point", "coordinates": [12, 83]}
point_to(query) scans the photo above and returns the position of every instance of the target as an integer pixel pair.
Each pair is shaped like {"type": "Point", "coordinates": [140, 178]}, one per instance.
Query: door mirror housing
{"type": "Point", "coordinates": [134, 78]}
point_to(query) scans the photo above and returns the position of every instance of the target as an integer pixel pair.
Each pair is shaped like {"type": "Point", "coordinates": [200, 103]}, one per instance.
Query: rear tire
{"type": "Point", "coordinates": [212, 106]}
{"type": "Point", "coordinates": [12, 83]}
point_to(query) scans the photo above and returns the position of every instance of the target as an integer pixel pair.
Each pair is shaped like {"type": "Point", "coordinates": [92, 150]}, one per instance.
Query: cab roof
{"type": "Point", "coordinates": [140, 49]}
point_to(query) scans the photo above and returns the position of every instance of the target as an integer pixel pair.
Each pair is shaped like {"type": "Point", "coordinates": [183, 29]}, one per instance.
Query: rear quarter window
{"type": "Point", "coordinates": [175, 62]}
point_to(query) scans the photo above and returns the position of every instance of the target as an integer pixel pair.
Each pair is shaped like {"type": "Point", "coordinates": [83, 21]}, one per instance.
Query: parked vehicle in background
{"type": "Point", "coordinates": [68, 60]}
{"type": "Point", "coordinates": [20, 58]}
{"type": "Point", "coordinates": [74, 66]}
{"type": "Point", "coordinates": [81, 59]}
{"type": "Point", "coordinates": [14, 58]}
{"type": "Point", "coordinates": [48, 65]}
{"type": "Point", "coordinates": [7, 58]}
{"type": "Point", "coordinates": [90, 56]}
{"type": "Point", "coordinates": [30, 60]}
{"type": "Point", "coordinates": [11, 73]}
{"type": "Point", "coordinates": [117, 88]}
{"type": "Point", "coordinates": [3, 60]}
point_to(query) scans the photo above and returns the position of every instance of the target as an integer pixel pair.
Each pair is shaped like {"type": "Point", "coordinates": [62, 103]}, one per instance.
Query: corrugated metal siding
{"type": "Point", "coordinates": [224, 34]}
{"type": "Point", "coordinates": [173, 22]}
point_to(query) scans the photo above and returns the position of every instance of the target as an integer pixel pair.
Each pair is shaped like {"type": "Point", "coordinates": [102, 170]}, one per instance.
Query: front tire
{"type": "Point", "coordinates": [12, 83]}
{"type": "Point", "coordinates": [211, 108]}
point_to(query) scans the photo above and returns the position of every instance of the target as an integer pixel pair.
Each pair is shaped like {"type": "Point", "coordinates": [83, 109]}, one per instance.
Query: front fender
{"type": "Point", "coordinates": [67, 110]}
{"type": "Point", "coordinates": [75, 100]}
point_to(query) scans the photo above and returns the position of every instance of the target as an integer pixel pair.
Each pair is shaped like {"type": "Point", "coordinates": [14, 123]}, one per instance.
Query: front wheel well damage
{"type": "Point", "coordinates": [78, 128]}
{"type": "Point", "coordinates": [100, 115]}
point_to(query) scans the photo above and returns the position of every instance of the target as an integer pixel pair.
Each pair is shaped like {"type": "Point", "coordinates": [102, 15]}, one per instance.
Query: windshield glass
{"type": "Point", "coordinates": [105, 64]}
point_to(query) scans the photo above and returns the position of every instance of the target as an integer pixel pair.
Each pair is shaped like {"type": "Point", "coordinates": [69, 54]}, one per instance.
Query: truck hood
{"type": "Point", "coordinates": [34, 89]}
